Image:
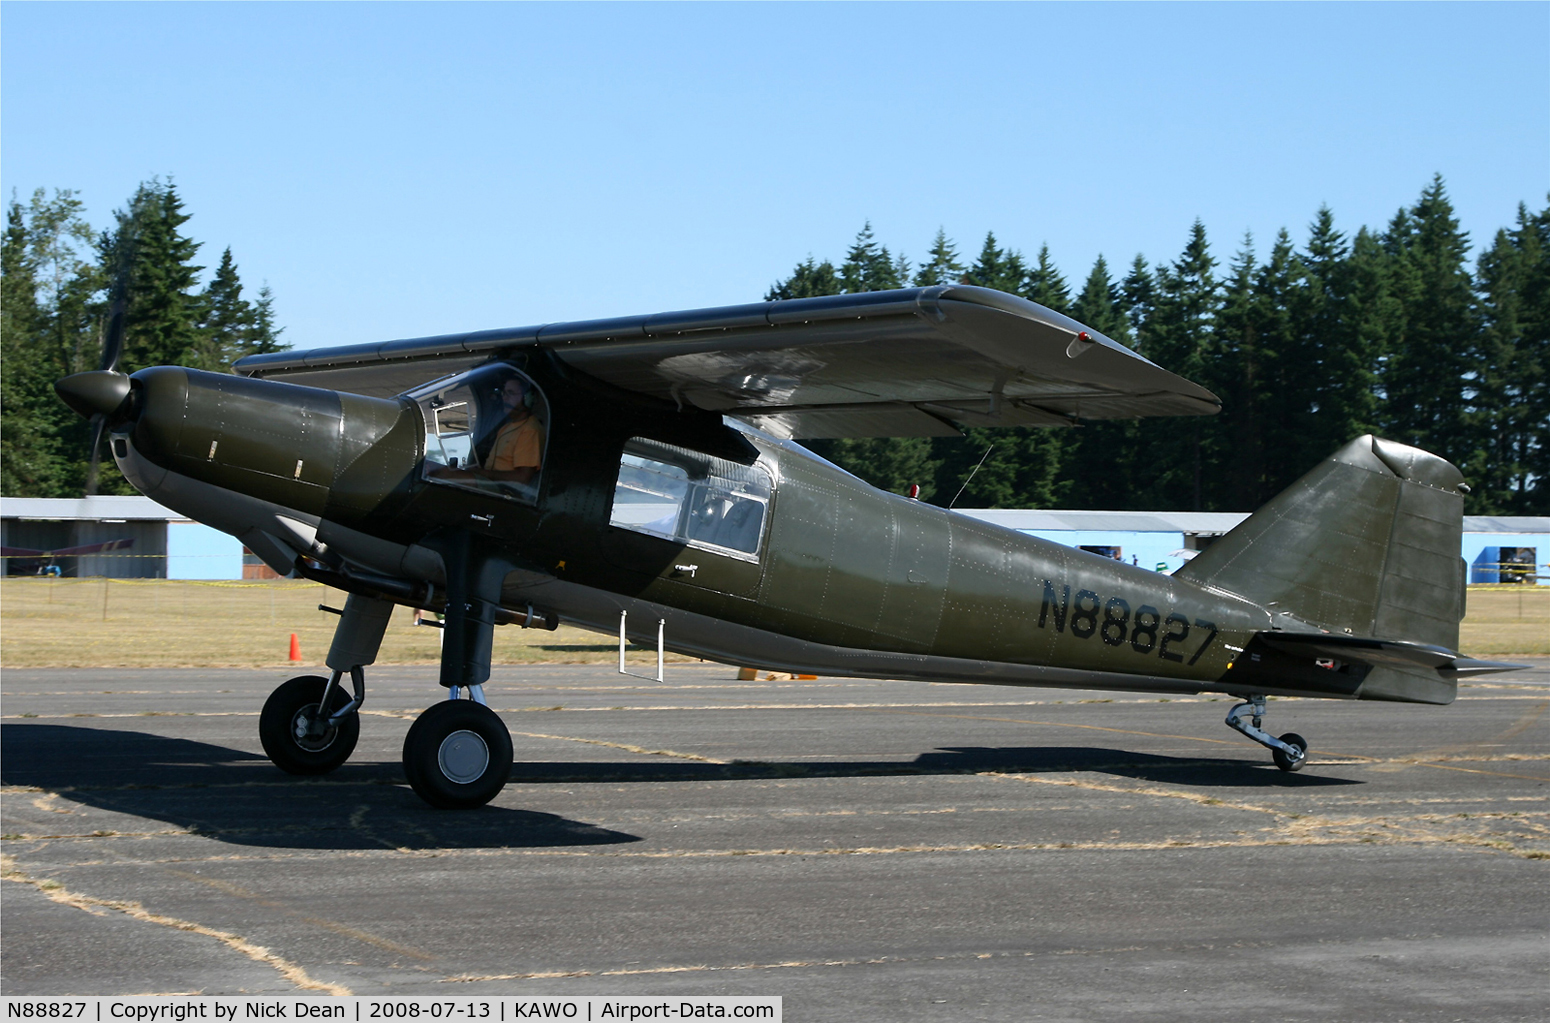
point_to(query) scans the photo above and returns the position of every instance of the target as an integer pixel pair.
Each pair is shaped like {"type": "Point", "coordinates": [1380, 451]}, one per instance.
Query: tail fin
{"type": "Point", "coordinates": [1366, 544]}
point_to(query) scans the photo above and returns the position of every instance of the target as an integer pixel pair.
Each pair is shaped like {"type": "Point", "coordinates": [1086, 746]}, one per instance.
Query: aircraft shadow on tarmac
{"type": "Point", "coordinates": [239, 797]}
{"type": "Point", "coordinates": [1205, 772]}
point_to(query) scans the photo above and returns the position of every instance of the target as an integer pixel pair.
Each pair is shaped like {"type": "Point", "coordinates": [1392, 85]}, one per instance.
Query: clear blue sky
{"type": "Point", "coordinates": [395, 170]}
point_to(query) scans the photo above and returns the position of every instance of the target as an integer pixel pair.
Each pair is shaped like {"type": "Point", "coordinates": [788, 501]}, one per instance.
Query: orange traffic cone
{"type": "Point", "coordinates": [295, 648]}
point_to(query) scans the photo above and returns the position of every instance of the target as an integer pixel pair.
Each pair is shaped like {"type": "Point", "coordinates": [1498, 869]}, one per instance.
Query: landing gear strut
{"type": "Point", "coordinates": [309, 725]}
{"type": "Point", "coordinates": [457, 754]}
{"type": "Point", "coordinates": [1290, 751]}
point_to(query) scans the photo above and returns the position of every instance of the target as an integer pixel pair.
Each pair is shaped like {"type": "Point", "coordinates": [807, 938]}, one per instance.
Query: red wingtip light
{"type": "Point", "coordinates": [1082, 335]}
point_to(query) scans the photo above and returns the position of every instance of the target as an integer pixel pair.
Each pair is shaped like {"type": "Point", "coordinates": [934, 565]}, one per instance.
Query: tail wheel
{"type": "Point", "coordinates": [1285, 762]}
{"type": "Point", "coordinates": [457, 755]}
{"type": "Point", "coordinates": [284, 730]}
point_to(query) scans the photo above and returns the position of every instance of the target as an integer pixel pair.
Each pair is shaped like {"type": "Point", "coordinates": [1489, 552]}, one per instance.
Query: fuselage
{"type": "Point", "coordinates": [843, 578]}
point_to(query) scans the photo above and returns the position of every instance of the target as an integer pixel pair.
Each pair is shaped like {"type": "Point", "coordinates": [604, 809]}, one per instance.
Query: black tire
{"type": "Point", "coordinates": [283, 714]}
{"type": "Point", "coordinates": [457, 755]}
{"type": "Point", "coordinates": [1285, 762]}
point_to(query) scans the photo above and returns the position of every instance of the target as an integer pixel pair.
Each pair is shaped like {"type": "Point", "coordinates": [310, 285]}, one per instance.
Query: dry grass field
{"type": "Point", "coordinates": [148, 623]}
{"type": "Point", "coordinates": [161, 623]}
{"type": "Point", "coordinates": [1502, 620]}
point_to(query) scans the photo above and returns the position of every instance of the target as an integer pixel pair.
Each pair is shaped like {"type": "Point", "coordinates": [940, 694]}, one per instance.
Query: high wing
{"type": "Point", "coordinates": [913, 363]}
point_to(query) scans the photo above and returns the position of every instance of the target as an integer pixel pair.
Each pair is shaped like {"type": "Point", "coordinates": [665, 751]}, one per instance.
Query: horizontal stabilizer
{"type": "Point", "coordinates": [1394, 653]}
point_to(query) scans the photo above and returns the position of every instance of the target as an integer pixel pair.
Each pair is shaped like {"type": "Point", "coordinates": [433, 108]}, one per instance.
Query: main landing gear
{"type": "Point", "coordinates": [457, 754]}
{"type": "Point", "coordinates": [1290, 751]}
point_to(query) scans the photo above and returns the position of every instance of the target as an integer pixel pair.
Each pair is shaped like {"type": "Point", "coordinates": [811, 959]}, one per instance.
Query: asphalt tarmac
{"type": "Point", "coordinates": [868, 850]}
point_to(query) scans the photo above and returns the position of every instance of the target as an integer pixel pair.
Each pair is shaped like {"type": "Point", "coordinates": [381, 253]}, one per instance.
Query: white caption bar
{"type": "Point", "coordinates": [366, 1009]}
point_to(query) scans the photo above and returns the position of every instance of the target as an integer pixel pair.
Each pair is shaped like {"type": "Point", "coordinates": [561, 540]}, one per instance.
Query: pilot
{"type": "Point", "coordinates": [516, 454]}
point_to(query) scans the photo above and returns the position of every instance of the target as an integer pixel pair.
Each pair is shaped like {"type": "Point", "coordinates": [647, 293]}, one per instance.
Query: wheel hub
{"type": "Point", "coordinates": [463, 756]}
{"type": "Point", "coordinates": [303, 729]}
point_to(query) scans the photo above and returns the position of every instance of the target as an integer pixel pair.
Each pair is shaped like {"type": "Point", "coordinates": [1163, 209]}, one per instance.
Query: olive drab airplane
{"type": "Point", "coordinates": [640, 475]}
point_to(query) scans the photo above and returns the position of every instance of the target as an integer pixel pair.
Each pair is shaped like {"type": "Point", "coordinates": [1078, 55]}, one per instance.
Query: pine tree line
{"type": "Point", "coordinates": [1386, 332]}
{"type": "Point", "coordinates": [55, 274]}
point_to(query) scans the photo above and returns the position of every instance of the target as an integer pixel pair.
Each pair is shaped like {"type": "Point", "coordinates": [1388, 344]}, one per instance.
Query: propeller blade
{"type": "Point", "coordinates": [99, 423]}
{"type": "Point", "coordinates": [112, 348]}
{"type": "Point", "coordinates": [113, 342]}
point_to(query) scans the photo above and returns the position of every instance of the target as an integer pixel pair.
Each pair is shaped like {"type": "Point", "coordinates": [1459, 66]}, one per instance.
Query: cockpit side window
{"type": "Point", "coordinates": [682, 495]}
{"type": "Point", "coordinates": [485, 430]}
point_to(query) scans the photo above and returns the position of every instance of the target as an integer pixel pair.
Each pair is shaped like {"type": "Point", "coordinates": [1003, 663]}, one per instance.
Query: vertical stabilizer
{"type": "Point", "coordinates": [1366, 544]}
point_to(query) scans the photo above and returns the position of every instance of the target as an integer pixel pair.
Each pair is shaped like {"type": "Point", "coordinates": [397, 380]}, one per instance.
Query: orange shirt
{"type": "Point", "coordinates": [517, 446]}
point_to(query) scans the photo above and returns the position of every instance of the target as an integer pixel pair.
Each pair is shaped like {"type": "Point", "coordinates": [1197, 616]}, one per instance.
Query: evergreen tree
{"type": "Point", "coordinates": [1178, 335]}
{"type": "Point", "coordinates": [1532, 361]}
{"type": "Point", "coordinates": [1286, 390]}
{"type": "Point", "coordinates": [1011, 467]}
{"type": "Point", "coordinates": [809, 280]}
{"type": "Point", "coordinates": [161, 324]}
{"type": "Point", "coordinates": [887, 463]}
{"type": "Point", "coordinates": [29, 459]}
{"type": "Point", "coordinates": [50, 331]}
{"type": "Point", "coordinates": [1329, 323]}
{"type": "Point", "coordinates": [943, 267]}
{"type": "Point", "coordinates": [1239, 378]}
{"type": "Point", "coordinates": [1387, 332]}
{"type": "Point", "coordinates": [231, 327]}
{"type": "Point", "coordinates": [869, 267]}
{"type": "Point", "coordinates": [1510, 417]}
{"type": "Point", "coordinates": [1046, 286]}
{"type": "Point", "coordinates": [996, 268]}
{"type": "Point", "coordinates": [223, 313]}
{"type": "Point", "coordinates": [1137, 299]}
{"type": "Point", "coordinates": [263, 336]}
{"type": "Point", "coordinates": [1374, 313]}
{"type": "Point", "coordinates": [1430, 361]}
{"type": "Point", "coordinates": [1100, 456]}
{"type": "Point", "coordinates": [1096, 306]}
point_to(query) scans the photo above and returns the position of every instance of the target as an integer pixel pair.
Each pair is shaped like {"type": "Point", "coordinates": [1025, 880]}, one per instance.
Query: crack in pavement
{"type": "Point", "coordinates": [1298, 828]}
{"type": "Point", "coordinates": [625, 746]}
{"type": "Point", "coordinates": [328, 925]}
{"type": "Point", "coordinates": [136, 911]}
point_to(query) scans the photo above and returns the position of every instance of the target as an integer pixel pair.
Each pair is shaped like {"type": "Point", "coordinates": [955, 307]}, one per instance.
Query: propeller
{"type": "Point", "coordinates": [109, 379]}
{"type": "Point", "coordinates": [102, 394]}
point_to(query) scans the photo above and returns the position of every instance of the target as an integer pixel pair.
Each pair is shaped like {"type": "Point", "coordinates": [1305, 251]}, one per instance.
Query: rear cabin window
{"type": "Point", "coordinates": [681, 495]}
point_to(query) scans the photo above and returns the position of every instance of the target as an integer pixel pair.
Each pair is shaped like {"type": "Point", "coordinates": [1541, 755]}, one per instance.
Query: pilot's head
{"type": "Point", "coordinates": [514, 394]}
